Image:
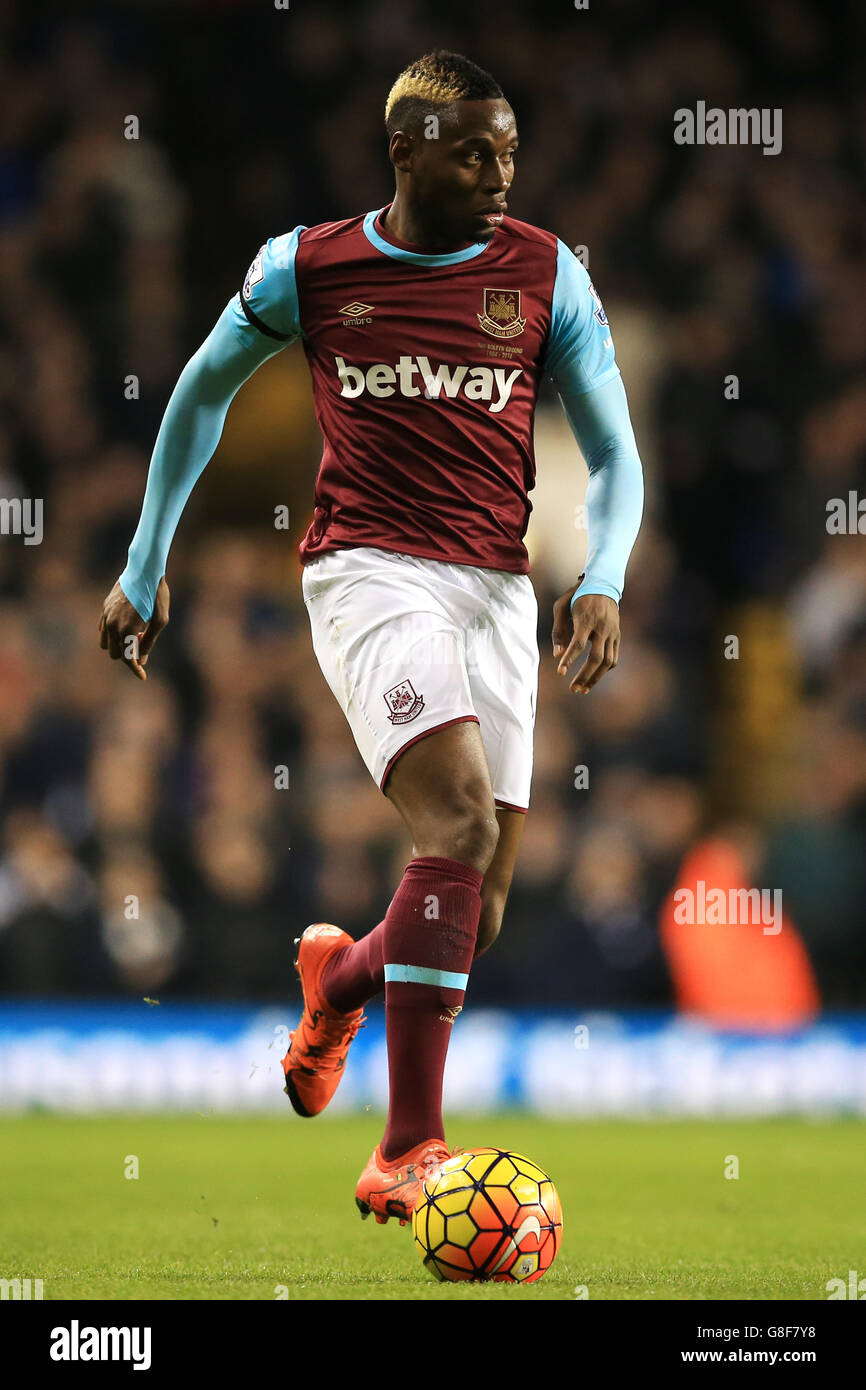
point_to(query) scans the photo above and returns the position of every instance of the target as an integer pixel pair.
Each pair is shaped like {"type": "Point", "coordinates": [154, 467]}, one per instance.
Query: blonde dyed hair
{"type": "Point", "coordinates": [438, 79]}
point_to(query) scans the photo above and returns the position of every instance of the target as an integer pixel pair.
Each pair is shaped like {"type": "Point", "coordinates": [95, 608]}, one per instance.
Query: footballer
{"type": "Point", "coordinates": [428, 326]}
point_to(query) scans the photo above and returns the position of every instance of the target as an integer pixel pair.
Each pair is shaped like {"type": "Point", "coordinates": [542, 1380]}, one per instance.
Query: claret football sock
{"type": "Point", "coordinates": [356, 973]}
{"type": "Point", "coordinates": [428, 936]}
{"type": "Point", "coordinates": [422, 953]}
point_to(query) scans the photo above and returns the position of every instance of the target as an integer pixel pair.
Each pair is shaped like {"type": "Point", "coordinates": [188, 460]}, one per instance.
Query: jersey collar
{"type": "Point", "coordinates": [415, 257]}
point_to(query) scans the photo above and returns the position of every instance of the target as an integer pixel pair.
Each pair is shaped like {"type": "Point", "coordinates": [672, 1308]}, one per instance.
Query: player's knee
{"type": "Point", "coordinates": [473, 831]}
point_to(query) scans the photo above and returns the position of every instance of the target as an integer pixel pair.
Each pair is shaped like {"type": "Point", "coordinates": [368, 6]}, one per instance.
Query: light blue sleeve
{"type": "Point", "coordinates": [600, 423]}
{"type": "Point", "coordinates": [268, 300]}
{"type": "Point", "coordinates": [581, 360]}
{"type": "Point", "coordinates": [579, 342]}
{"type": "Point", "coordinates": [254, 325]}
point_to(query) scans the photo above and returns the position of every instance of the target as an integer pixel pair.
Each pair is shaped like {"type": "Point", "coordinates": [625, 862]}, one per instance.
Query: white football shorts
{"type": "Point", "coordinates": [410, 645]}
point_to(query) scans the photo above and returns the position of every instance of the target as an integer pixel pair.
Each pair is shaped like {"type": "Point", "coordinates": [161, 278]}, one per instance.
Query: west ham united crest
{"type": "Point", "coordinates": [403, 703]}
{"type": "Point", "coordinates": [501, 317]}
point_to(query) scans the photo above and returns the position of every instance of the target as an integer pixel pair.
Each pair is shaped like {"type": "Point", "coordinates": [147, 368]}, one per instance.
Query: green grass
{"type": "Point", "coordinates": [229, 1208]}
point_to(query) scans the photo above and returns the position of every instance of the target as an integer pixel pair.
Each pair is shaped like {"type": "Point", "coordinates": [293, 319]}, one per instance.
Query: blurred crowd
{"type": "Point", "coordinates": [173, 837]}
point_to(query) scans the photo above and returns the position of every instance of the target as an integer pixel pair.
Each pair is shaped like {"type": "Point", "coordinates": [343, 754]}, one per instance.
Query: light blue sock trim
{"type": "Point", "coordinates": [422, 975]}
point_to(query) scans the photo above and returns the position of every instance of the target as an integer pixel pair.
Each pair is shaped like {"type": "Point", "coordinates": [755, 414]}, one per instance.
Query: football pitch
{"type": "Point", "coordinates": [261, 1208]}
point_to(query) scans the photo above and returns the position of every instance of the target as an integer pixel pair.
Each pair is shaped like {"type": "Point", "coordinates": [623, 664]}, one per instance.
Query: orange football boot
{"type": "Point", "coordinates": [317, 1048]}
{"type": "Point", "coordinates": [391, 1187]}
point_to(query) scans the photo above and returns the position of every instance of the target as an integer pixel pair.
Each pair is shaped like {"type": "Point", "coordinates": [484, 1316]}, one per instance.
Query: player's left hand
{"type": "Point", "coordinates": [125, 635]}
{"type": "Point", "coordinates": [594, 620]}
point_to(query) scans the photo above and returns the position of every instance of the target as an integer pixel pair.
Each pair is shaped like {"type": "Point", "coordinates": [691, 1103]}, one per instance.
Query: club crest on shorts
{"type": "Point", "coordinates": [501, 317]}
{"type": "Point", "coordinates": [403, 702]}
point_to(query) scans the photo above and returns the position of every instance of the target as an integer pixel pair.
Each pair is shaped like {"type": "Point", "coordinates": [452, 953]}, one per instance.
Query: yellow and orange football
{"type": "Point", "coordinates": [488, 1214]}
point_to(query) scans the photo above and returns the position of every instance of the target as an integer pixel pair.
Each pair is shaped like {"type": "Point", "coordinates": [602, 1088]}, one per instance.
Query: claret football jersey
{"type": "Point", "coordinates": [425, 373]}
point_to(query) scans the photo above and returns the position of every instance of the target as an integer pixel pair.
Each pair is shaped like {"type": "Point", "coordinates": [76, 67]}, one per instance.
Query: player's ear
{"type": "Point", "coordinates": [400, 150]}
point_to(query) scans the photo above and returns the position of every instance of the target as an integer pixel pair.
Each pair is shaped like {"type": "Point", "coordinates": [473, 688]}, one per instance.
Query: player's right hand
{"type": "Point", "coordinates": [125, 635]}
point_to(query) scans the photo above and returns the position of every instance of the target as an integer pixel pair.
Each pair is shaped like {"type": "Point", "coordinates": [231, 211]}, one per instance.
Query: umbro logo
{"type": "Point", "coordinates": [356, 313]}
